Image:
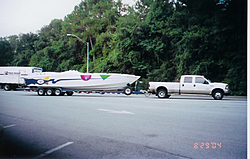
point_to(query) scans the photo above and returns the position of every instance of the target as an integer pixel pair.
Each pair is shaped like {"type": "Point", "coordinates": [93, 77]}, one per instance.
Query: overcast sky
{"type": "Point", "coordinates": [24, 16]}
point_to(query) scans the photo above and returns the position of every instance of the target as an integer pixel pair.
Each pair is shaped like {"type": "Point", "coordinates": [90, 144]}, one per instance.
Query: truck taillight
{"type": "Point", "coordinates": [227, 88]}
{"type": "Point", "coordinates": [148, 85]}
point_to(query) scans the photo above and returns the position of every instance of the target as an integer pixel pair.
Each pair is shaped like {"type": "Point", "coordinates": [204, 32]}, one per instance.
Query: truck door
{"type": "Point", "coordinates": [186, 85]}
{"type": "Point", "coordinates": [201, 86]}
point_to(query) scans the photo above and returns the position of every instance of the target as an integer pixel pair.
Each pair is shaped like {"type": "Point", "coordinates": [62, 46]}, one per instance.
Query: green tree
{"type": "Point", "coordinates": [93, 20]}
{"type": "Point", "coordinates": [53, 51]}
{"type": "Point", "coordinates": [234, 44]}
{"type": "Point", "coordinates": [23, 48]}
{"type": "Point", "coordinates": [6, 55]}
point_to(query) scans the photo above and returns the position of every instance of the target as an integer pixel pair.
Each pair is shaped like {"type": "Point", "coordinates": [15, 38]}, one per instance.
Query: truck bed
{"type": "Point", "coordinates": [173, 87]}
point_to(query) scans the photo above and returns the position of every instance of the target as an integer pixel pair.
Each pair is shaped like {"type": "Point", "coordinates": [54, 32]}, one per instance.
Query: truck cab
{"type": "Point", "coordinates": [195, 84]}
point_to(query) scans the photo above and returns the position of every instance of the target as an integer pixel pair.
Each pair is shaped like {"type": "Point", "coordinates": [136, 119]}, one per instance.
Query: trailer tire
{"type": "Point", "coordinates": [41, 92]}
{"type": "Point", "coordinates": [58, 92]}
{"type": "Point", "coordinates": [7, 87]}
{"type": "Point", "coordinates": [50, 92]}
{"type": "Point", "coordinates": [162, 93]}
{"type": "Point", "coordinates": [128, 90]}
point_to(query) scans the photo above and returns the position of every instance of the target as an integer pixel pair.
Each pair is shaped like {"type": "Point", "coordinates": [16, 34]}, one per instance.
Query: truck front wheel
{"type": "Point", "coordinates": [218, 94]}
{"type": "Point", "coordinates": [162, 93]}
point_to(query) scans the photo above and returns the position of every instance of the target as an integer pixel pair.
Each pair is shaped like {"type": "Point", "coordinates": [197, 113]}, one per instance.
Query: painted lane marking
{"type": "Point", "coordinates": [54, 149]}
{"type": "Point", "coordinates": [117, 112]}
{"type": "Point", "coordinates": [9, 126]}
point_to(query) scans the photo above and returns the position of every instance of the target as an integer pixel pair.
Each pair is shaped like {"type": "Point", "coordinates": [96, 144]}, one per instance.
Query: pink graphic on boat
{"type": "Point", "coordinates": [85, 77]}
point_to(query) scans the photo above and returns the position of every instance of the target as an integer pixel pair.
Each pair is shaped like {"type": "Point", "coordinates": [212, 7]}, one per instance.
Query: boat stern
{"type": "Point", "coordinates": [133, 78]}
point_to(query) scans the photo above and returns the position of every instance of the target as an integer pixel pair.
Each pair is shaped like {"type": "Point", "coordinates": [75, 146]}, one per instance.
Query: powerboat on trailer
{"type": "Point", "coordinates": [74, 80]}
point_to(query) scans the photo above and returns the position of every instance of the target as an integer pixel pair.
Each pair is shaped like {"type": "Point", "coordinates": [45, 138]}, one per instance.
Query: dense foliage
{"type": "Point", "coordinates": [158, 40]}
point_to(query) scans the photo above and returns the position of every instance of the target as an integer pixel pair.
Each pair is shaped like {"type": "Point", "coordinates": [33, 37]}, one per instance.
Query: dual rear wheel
{"type": "Point", "coordinates": [8, 87]}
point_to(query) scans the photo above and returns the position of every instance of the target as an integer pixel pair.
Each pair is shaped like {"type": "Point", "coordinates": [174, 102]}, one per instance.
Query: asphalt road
{"type": "Point", "coordinates": [117, 126]}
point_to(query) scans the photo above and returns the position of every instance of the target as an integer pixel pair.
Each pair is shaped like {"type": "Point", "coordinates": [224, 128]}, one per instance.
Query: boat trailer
{"type": "Point", "coordinates": [71, 92]}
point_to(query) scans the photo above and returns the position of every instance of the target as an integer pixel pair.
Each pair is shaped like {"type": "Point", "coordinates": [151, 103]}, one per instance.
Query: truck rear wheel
{"type": "Point", "coordinates": [41, 92]}
{"type": "Point", "coordinates": [7, 87]}
{"type": "Point", "coordinates": [162, 93]}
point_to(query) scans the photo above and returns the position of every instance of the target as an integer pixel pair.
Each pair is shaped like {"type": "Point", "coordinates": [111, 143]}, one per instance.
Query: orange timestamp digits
{"type": "Point", "coordinates": [207, 145]}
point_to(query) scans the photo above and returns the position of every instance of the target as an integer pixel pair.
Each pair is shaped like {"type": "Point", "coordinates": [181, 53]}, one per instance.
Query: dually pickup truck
{"type": "Point", "coordinates": [189, 84]}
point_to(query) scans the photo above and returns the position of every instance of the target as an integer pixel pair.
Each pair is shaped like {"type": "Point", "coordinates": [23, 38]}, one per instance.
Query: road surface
{"type": "Point", "coordinates": [117, 126]}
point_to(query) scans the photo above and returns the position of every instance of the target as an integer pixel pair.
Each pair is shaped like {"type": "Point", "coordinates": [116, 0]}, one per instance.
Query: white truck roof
{"type": "Point", "coordinates": [192, 76]}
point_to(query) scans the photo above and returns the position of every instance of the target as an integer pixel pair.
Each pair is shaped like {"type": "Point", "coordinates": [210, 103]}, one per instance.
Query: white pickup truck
{"type": "Point", "coordinates": [189, 84]}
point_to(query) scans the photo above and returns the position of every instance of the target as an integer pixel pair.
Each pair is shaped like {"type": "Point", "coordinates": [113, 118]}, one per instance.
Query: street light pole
{"type": "Point", "coordinates": [87, 48]}
{"type": "Point", "coordinates": [87, 57]}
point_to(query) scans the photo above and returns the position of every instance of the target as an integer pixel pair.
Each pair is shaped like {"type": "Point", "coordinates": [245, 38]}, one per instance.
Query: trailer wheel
{"type": "Point", "coordinates": [128, 90]}
{"type": "Point", "coordinates": [162, 93]}
{"type": "Point", "coordinates": [41, 92]}
{"type": "Point", "coordinates": [7, 87]}
{"type": "Point", "coordinates": [50, 92]}
{"type": "Point", "coordinates": [58, 92]}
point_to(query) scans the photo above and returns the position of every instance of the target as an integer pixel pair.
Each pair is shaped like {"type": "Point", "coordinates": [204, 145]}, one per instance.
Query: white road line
{"type": "Point", "coordinates": [117, 112]}
{"type": "Point", "coordinates": [8, 126]}
{"type": "Point", "coordinates": [54, 149]}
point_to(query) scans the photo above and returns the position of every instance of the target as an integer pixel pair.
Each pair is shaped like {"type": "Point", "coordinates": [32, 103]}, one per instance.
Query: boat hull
{"type": "Point", "coordinates": [73, 80]}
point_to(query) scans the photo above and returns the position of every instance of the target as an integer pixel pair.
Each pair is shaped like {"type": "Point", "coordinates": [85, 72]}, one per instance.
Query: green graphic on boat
{"type": "Point", "coordinates": [105, 76]}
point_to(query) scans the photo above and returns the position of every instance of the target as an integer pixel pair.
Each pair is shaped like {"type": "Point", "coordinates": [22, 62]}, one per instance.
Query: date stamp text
{"type": "Point", "coordinates": [207, 145]}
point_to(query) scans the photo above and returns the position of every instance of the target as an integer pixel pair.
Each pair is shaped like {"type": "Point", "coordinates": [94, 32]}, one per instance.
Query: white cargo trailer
{"type": "Point", "coordinates": [12, 77]}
